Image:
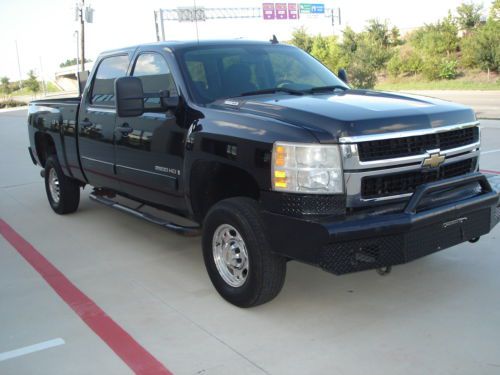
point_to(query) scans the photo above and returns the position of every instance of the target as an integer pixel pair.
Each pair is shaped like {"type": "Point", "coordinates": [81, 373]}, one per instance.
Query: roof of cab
{"type": "Point", "coordinates": [178, 45]}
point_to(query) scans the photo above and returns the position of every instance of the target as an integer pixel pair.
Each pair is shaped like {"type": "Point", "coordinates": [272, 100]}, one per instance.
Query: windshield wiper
{"type": "Point", "coordinates": [273, 91]}
{"type": "Point", "coordinates": [326, 88]}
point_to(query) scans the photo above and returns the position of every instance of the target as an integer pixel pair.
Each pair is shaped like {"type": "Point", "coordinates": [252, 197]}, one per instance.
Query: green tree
{"type": "Point", "coordinates": [379, 32]}
{"type": "Point", "coordinates": [469, 15]}
{"type": "Point", "coordinates": [364, 63]}
{"type": "Point", "coordinates": [71, 62]}
{"type": "Point", "coordinates": [395, 37]}
{"type": "Point", "coordinates": [349, 40]}
{"type": "Point", "coordinates": [301, 39]}
{"type": "Point", "coordinates": [487, 41]}
{"type": "Point", "coordinates": [32, 83]}
{"type": "Point", "coordinates": [328, 51]}
{"type": "Point", "coordinates": [437, 39]}
{"type": "Point", "coordinates": [5, 86]}
{"type": "Point", "coordinates": [495, 10]}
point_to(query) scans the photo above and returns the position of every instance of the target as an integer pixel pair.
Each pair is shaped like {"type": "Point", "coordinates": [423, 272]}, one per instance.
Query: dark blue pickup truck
{"type": "Point", "coordinates": [270, 155]}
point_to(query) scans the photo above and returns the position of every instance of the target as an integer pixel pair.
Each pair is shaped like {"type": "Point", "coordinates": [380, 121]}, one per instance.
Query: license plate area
{"type": "Point", "coordinates": [449, 232]}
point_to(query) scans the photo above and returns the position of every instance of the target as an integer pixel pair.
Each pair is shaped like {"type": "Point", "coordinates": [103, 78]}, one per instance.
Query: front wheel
{"type": "Point", "coordinates": [63, 192]}
{"type": "Point", "coordinates": [237, 254]}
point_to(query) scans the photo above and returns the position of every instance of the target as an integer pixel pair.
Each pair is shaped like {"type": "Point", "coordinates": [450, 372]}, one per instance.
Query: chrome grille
{"type": "Point", "coordinates": [383, 167]}
{"type": "Point", "coordinates": [415, 145]}
{"type": "Point", "coordinates": [407, 182]}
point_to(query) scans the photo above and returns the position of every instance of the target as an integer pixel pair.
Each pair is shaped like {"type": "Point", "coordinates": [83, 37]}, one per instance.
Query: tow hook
{"type": "Point", "coordinates": [474, 240]}
{"type": "Point", "coordinates": [383, 271]}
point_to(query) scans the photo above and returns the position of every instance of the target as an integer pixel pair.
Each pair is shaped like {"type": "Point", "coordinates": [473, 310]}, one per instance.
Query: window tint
{"type": "Point", "coordinates": [103, 90]}
{"type": "Point", "coordinates": [153, 71]}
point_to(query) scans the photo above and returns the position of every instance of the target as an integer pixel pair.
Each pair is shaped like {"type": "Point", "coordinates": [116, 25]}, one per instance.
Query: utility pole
{"type": "Point", "coordinates": [82, 35]}
{"type": "Point", "coordinates": [19, 68]}
{"type": "Point", "coordinates": [156, 27]}
{"type": "Point", "coordinates": [84, 15]}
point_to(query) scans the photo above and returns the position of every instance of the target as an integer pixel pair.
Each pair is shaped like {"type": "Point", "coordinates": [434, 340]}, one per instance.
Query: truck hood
{"type": "Point", "coordinates": [353, 112]}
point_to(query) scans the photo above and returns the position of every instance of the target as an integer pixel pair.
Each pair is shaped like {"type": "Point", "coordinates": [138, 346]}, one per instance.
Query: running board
{"type": "Point", "coordinates": [187, 231]}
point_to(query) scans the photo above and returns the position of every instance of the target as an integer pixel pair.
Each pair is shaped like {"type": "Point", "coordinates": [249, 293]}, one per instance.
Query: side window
{"type": "Point", "coordinates": [153, 71]}
{"type": "Point", "coordinates": [103, 89]}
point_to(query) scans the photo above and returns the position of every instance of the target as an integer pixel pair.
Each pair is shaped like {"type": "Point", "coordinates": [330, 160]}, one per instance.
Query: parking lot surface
{"type": "Point", "coordinates": [436, 315]}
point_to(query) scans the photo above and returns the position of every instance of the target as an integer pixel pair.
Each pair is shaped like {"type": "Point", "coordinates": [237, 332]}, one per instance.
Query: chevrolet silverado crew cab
{"type": "Point", "coordinates": [270, 155]}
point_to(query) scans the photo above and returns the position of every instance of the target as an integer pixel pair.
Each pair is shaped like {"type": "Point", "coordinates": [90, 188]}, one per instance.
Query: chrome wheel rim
{"type": "Point", "coordinates": [230, 255]}
{"type": "Point", "coordinates": [54, 186]}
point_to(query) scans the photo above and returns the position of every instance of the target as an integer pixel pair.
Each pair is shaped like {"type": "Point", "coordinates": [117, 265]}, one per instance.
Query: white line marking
{"type": "Point", "coordinates": [490, 151]}
{"type": "Point", "coordinates": [31, 349]}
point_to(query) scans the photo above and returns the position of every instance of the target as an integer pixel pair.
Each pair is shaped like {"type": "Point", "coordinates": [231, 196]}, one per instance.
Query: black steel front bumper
{"type": "Point", "coordinates": [360, 242]}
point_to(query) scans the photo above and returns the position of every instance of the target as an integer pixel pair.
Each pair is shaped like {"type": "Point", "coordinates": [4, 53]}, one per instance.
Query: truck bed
{"type": "Point", "coordinates": [57, 118]}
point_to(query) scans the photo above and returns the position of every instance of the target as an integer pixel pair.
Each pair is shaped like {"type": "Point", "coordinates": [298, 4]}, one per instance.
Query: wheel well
{"type": "Point", "coordinates": [45, 147]}
{"type": "Point", "coordinates": [212, 182]}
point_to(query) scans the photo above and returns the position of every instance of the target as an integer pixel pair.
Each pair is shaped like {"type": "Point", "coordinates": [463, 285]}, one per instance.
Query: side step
{"type": "Point", "coordinates": [185, 230]}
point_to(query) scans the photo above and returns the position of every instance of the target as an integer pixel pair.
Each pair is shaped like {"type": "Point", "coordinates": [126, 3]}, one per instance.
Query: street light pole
{"type": "Point", "coordinates": [19, 68]}
{"type": "Point", "coordinates": [77, 35]}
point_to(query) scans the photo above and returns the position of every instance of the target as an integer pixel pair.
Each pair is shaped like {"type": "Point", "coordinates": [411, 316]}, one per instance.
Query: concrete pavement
{"type": "Point", "coordinates": [437, 315]}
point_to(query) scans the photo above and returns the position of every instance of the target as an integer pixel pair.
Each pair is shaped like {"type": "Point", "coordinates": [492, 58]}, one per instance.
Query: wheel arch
{"type": "Point", "coordinates": [44, 147]}
{"type": "Point", "coordinates": [213, 181]}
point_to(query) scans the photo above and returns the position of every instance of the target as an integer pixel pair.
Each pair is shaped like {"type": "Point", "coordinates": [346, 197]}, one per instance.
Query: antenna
{"type": "Point", "coordinates": [196, 21]}
{"type": "Point", "coordinates": [274, 40]}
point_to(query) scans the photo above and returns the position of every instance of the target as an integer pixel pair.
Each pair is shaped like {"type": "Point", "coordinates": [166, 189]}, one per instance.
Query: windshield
{"type": "Point", "coordinates": [223, 72]}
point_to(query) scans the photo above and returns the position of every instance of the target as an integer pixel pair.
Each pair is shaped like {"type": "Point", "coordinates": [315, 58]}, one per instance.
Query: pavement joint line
{"type": "Point", "coordinates": [135, 356]}
{"type": "Point", "coordinates": [490, 151]}
{"type": "Point", "coordinates": [199, 326]}
{"type": "Point", "coordinates": [18, 185]}
{"type": "Point", "coordinates": [31, 349]}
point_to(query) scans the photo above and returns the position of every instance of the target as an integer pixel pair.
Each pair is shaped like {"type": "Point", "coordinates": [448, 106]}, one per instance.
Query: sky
{"type": "Point", "coordinates": [44, 30]}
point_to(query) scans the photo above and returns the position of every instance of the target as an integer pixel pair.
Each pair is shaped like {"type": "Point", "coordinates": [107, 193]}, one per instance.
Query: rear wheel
{"type": "Point", "coordinates": [63, 192]}
{"type": "Point", "coordinates": [237, 254]}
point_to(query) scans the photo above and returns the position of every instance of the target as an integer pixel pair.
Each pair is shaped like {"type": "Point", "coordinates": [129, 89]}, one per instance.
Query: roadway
{"type": "Point", "coordinates": [436, 315]}
{"type": "Point", "coordinates": [486, 103]}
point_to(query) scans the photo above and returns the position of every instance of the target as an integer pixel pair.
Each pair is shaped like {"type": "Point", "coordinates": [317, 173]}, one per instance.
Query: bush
{"type": "Point", "coordinates": [405, 61]}
{"type": "Point", "coordinates": [395, 65]}
{"type": "Point", "coordinates": [444, 68]}
{"type": "Point", "coordinates": [361, 76]}
{"type": "Point", "coordinates": [448, 69]}
{"type": "Point", "coordinates": [11, 103]}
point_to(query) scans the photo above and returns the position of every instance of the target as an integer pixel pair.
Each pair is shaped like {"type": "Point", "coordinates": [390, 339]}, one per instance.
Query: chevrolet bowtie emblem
{"type": "Point", "coordinates": [433, 161]}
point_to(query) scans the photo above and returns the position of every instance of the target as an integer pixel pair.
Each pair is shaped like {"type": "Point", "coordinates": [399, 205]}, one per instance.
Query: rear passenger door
{"type": "Point", "coordinates": [150, 148]}
{"type": "Point", "coordinates": [97, 122]}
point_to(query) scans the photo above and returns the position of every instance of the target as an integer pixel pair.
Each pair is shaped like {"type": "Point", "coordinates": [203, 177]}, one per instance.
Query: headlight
{"type": "Point", "coordinates": [307, 168]}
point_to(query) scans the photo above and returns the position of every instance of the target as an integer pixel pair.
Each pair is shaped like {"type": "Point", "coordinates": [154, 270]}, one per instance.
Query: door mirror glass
{"type": "Point", "coordinates": [343, 75]}
{"type": "Point", "coordinates": [167, 101]}
{"type": "Point", "coordinates": [129, 97]}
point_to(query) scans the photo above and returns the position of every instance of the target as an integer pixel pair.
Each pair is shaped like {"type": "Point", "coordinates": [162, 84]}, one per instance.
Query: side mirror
{"type": "Point", "coordinates": [167, 101]}
{"type": "Point", "coordinates": [343, 75]}
{"type": "Point", "coordinates": [129, 97]}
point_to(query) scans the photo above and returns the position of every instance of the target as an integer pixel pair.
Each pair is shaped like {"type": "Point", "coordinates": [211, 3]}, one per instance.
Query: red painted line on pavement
{"type": "Point", "coordinates": [489, 171]}
{"type": "Point", "coordinates": [130, 351]}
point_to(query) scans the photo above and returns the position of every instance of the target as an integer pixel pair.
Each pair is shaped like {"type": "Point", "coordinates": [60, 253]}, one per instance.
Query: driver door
{"type": "Point", "coordinates": [150, 148]}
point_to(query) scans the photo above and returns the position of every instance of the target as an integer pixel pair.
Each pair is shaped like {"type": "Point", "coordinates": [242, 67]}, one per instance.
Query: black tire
{"type": "Point", "coordinates": [69, 189]}
{"type": "Point", "coordinates": [266, 272]}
